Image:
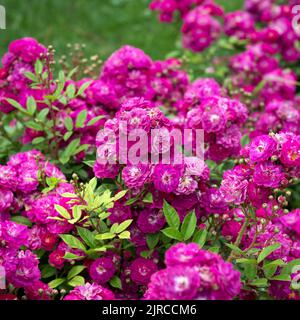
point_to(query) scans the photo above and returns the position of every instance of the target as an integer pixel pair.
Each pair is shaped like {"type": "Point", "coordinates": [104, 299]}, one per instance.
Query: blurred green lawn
{"type": "Point", "coordinates": [103, 25]}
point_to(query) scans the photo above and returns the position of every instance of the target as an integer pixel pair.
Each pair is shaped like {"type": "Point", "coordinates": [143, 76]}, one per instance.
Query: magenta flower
{"type": "Point", "coordinates": [135, 176]}
{"type": "Point", "coordinates": [166, 178]}
{"type": "Point", "coordinates": [262, 148]}
{"type": "Point", "coordinates": [90, 291]}
{"type": "Point", "coordinates": [141, 270]}
{"type": "Point", "coordinates": [27, 271]}
{"type": "Point", "coordinates": [102, 270]}
{"type": "Point", "coordinates": [151, 220]}
{"type": "Point", "coordinates": [268, 174]}
{"type": "Point", "coordinates": [174, 283]}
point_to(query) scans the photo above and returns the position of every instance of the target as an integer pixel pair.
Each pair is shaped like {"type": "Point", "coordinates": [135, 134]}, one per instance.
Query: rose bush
{"type": "Point", "coordinates": [89, 212]}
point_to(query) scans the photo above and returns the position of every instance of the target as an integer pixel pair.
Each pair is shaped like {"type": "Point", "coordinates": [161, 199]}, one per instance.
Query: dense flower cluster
{"type": "Point", "coordinates": [192, 273]}
{"type": "Point", "coordinates": [200, 27]}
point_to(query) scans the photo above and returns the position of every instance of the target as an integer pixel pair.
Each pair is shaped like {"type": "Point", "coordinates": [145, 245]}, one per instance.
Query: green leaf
{"type": "Point", "coordinates": [211, 164]}
{"type": "Point", "coordinates": [80, 120]}
{"type": "Point", "coordinates": [38, 140]}
{"type": "Point", "coordinates": [83, 88]}
{"type": "Point", "coordinates": [69, 151]}
{"type": "Point", "coordinates": [152, 240]}
{"type": "Point", "coordinates": [148, 198]}
{"type": "Point", "coordinates": [47, 271]}
{"type": "Point", "coordinates": [38, 67]}
{"type": "Point", "coordinates": [31, 105]}
{"type": "Point", "coordinates": [21, 220]}
{"type": "Point", "coordinates": [189, 225]}
{"type": "Point", "coordinates": [94, 120]}
{"type": "Point", "coordinates": [123, 226]}
{"type": "Point", "coordinates": [115, 282]}
{"type": "Point", "coordinates": [114, 227]}
{"type": "Point", "coordinates": [282, 277]}
{"type": "Point", "coordinates": [90, 163]}
{"type": "Point", "coordinates": [131, 201]}
{"type": "Point", "coordinates": [270, 267]}
{"type": "Point", "coordinates": [87, 236]}
{"type": "Point", "coordinates": [75, 271]}
{"type": "Point", "coordinates": [62, 211]}
{"type": "Point", "coordinates": [55, 283]}
{"type": "Point", "coordinates": [70, 91]}
{"type": "Point", "coordinates": [245, 140]}
{"type": "Point", "coordinates": [250, 267]}
{"type": "Point", "coordinates": [31, 76]}
{"type": "Point", "coordinates": [260, 282]}
{"type": "Point", "coordinates": [92, 184]}
{"type": "Point", "coordinates": [69, 124]}
{"type": "Point", "coordinates": [120, 195]}
{"type": "Point", "coordinates": [76, 213]}
{"type": "Point", "coordinates": [124, 235]}
{"type": "Point", "coordinates": [69, 195]}
{"type": "Point", "coordinates": [68, 135]}
{"type": "Point", "coordinates": [235, 248]}
{"type": "Point", "coordinates": [172, 233]}
{"type": "Point", "coordinates": [72, 72]}
{"type": "Point", "coordinates": [200, 237]}
{"type": "Point", "coordinates": [267, 251]}
{"type": "Point", "coordinates": [171, 216]}
{"type": "Point", "coordinates": [33, 125]}
{"type": "Point", "coordinates": [105, 236]}
{"type": "Point", "coordinates": [17, 106]}
{"type": "Point", "coordinates": [72, 242]}
{"type": "Point", "coordinates": [76, 281]}
{"type": "Point", "coordinates": [72, 256]}
{"type": "Point", "coordinates": [288, 269]}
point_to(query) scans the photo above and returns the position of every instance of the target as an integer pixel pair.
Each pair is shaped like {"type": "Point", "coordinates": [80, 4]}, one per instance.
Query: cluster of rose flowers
{"type": "Point", "coordinates": [249, 204]}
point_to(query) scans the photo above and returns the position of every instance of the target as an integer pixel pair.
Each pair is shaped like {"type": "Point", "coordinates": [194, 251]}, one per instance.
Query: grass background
{"type": "Point", "coordinates": [103, 25]}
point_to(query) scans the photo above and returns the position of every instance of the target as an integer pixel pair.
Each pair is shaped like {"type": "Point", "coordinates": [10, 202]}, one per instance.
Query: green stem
{"type": "Point", "coordinates": [239, 238]}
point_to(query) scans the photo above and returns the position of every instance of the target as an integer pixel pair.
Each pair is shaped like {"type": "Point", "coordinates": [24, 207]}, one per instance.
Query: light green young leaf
{"type": "Point", "coordinates": [105, 236]}
{"type": "Point", "coordinates": [124, 235]}
{"type": "Point", "coordinates": [123, 226]}
{"type": "Point", "coordinates": [120, 195]}
{"type": "Point", "coordinates": [62, 211]}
